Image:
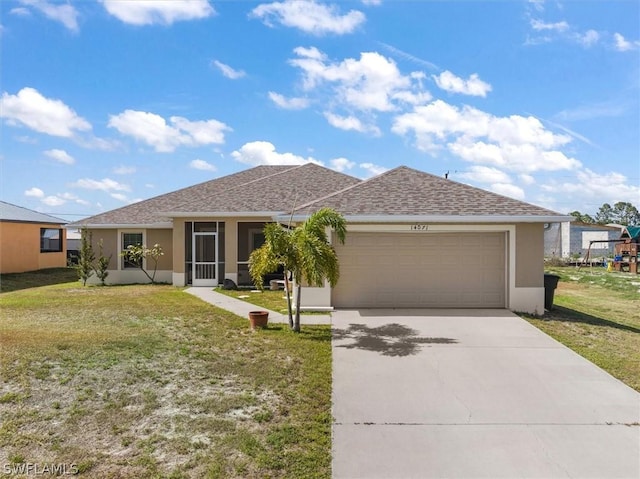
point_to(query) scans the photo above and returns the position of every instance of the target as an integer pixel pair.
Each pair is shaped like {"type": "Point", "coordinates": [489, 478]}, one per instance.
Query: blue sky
{"type": "Point", "coordinates": [106, 102]}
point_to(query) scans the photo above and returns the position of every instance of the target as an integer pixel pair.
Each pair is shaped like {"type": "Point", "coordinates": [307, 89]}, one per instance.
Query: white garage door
{"type": "Point", "coordinates": [421, 270]}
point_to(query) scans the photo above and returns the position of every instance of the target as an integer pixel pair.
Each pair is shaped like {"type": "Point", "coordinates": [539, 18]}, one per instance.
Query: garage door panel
{"type": "Point", "coordinates": [421, 270]}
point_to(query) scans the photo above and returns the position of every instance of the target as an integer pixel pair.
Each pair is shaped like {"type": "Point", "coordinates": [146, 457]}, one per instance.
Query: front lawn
{"type": "Point", "coordinates": [148, 381]}
{"type": "Point", "coordinates": [267, 299]}
{"type": "Point", "coordinates": [597, 314]}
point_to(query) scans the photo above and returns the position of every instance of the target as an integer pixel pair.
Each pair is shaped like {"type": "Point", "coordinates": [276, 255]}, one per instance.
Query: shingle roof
{"type": "Point", "coordinates": [10, 212]}
{"type": "Point", "coordinates": [404, 191]}
{"type": "Point", "coordinates": [150, 211]}
{"type": "Point", "coordinates": [263, 188]}
{"type": "Point", "coordinates": [277, 193]}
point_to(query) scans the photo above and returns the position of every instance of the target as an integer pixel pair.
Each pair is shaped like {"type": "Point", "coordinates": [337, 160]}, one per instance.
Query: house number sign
{"type": "Point", "coordinates": [419, 227]}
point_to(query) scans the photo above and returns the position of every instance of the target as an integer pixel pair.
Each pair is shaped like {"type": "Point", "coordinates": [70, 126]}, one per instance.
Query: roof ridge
{"type": "Point", "coordinates": [362, 182]}
{"type": "Point", "coordinates": [293, 167]}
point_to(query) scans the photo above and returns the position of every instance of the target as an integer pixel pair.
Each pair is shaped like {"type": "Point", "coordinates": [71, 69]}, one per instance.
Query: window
{"type": "Point", "coordinates": [130, 239]}
{"type": "Point", "coordinates": [50, 240]}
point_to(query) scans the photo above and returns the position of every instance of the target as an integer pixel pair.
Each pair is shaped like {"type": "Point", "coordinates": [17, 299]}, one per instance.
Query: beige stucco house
{"type": "Point", "coordinates": [413, 239]}
{"type": "Point", "coordinates": [30, 240]}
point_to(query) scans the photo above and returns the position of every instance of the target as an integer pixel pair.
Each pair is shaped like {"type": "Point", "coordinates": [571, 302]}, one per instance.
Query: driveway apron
{"type": "Point", "coordinates": [470, 394]}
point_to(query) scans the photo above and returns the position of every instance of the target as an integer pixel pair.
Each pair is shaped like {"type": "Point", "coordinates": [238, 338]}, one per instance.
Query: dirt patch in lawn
{"type": "Point", "coordinates": [144, 381]}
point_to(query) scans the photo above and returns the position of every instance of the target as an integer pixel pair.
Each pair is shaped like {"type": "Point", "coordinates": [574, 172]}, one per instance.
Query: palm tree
{"type": "Point", "coordinates": [304, 251]}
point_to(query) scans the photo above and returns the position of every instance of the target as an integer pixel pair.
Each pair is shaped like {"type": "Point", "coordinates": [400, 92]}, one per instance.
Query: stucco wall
{"type": "Point", "coordinates": [20, 248]}
{"type": "Point", "coordinates": [165, 239]}
{"type": "Point", "coordinates": [529, 255]}
{"type": "Point", "coordinates": [109, 245]}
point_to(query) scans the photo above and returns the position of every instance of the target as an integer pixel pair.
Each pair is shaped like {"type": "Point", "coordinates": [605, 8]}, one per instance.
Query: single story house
{"type": "Point", "coordinates": [413, 239]}
{"type": "Point", "coordinates": [564, 240]}
{"type": "Point", "coordinates": [30, 240]}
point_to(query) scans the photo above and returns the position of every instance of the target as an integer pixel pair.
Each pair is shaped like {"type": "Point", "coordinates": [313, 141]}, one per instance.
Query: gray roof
{"type": "Point", "coordinates": [407, 192]}
{"type": "Point", "coordinates": [263, 188]}
{"type": "Point", "coordinates": [276, 193]}
{"type": "Point", "coordinates": [9, 212]}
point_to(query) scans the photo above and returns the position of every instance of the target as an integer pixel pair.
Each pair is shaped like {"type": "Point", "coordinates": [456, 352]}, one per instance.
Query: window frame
{"type": "Point", "coordinates": [60, 247]}
{"type": "Point", "coordinates": [125, 264]}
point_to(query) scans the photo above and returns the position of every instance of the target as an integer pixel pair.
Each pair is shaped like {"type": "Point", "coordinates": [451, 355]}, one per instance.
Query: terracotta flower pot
{"type": "Point", "coordinates": [258, 319]}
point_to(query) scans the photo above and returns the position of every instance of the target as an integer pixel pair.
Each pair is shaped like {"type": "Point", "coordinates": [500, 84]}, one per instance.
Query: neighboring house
{"type": "Point", "coordinates": [565, 239]}
{"type": "Point", "coordinates": [30, 240]}
{"type": "Point", "coordinates": [413, 240]}
{"type": "Point", "coordinates": [74, 243]}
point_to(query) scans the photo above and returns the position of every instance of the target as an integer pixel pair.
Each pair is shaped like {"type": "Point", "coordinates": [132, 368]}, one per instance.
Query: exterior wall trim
{"type": "Point", "coordinates": [440, 219]}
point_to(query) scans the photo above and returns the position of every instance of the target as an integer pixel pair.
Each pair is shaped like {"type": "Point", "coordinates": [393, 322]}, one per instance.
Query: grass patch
{"type": "Point", "coordinates": [266, 299]}
{"type": "Point", "coordinates": [34, 279]}
{"type": "Point", "coordinates": [148, 381]}
{"type": "Point", "coordinates": [596, 314]}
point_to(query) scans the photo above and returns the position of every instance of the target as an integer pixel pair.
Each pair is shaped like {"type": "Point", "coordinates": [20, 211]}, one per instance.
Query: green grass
{"type": "Point", "coordinates": [34, 279]}
{"type": "Point", "coordinates": [266, 299]}
{"type": "Point", "coordinates": [148, 381]}
{"type": "Point", "coordinates": [597, 314]}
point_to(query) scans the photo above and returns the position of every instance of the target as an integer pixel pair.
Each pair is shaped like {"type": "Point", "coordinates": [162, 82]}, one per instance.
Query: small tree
{"type": "Point", "coordinates": [136, 254]}
{"type": "Point", "coordinates": [84, 267]}
{"type": "Point", "coordinates": [103, 264]}
{"type": "Point", "coordinates": [305, 251]}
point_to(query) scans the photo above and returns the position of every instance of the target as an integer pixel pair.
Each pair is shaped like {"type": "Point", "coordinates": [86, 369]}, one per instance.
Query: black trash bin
{"type": "Point", "coordinates": [550, 285]}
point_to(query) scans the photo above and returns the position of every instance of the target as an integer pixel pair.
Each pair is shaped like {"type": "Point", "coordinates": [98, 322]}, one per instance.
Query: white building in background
{"type": "Point", "coordinates": [563, 240]}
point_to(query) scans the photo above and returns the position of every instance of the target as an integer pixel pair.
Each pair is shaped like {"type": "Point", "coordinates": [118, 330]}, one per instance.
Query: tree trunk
{"type": "Point", "coordinates": [296, 324]}
{"type": "Point", "coordinates": [288, 293]}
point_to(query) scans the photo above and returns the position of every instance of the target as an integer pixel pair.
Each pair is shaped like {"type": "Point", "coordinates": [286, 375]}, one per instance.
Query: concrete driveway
{"type": "Point", "coordinates": [467, 394]}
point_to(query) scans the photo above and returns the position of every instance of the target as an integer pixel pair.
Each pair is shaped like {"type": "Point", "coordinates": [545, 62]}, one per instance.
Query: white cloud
{"type": "Point", "coordinates": [372, 169]}
{"type": "Point", "coordinates": [517, 143]}
{"type": "Point", "coordinates": [595, 188]}
{"type": "Point", "coordinates": [508, 189]}
{"type": "Point", "coordinates": [60, 156]}
{"type": "Point", "coordinates": [370, 83]}
{"type": "Point", "coordinates": [153, 130]}
{"type": "Point", "coordinates": [539, 25]}
{"type": "Point", "coordinates": [65, 13]}
{"type": "Point", "coordinates": [341, 164]}
{"type": "Point", "coordinates": [202, 165]}
{"type": "Point", "coordinates": [228, 71]}
{"type": "Point", "coordinates": [106, 184]}
{"type": "Point", "coordinates": [34, 192]}
{"type": "Point", "coordinates": [588, 38]}
{"type": "Point", "coordinates": [309, 16]}
{"type": "Point", "coordinates": [485, 174]}
{"type": "Point", "coordinates": [410, 57]}
{"type": "Point", "coordinates": [264, 153]}
{"type": "Point", "coordinates": [537, 5]}
{"type": "Point", "coordinates": [527, 179]}
{"type": "Point", "coordinates": [71, 197]}
{"type": "Point", "coordinates": [623, 45]}
{"type": "Point", "coordinates": [125, 170]}
{"type": "Point", "coordinates": [20, 11]}
{"type": "Point", "coordinates": [41, 114]}
{"type": "Point", "coordinates": [350, 123]}
{"type": "Point", "coordinates": [163, 12]}
{"type": "Point", "coordinates": [53, 201]}
{"type": "Point", "coordinates": [372, 2]}
{"type": "Point", "coordinates": [288, 103]}
{"type": "Point", "coordinates": [119, 197]}
{"type": "Point", "coordinates": [472, 86]}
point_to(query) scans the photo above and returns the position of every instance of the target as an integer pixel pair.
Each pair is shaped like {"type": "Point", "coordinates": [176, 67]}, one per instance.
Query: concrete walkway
{"type": "Point", "coordinates": [464, 394]}
{"type": "Point", "coordinates": [242, 308]}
